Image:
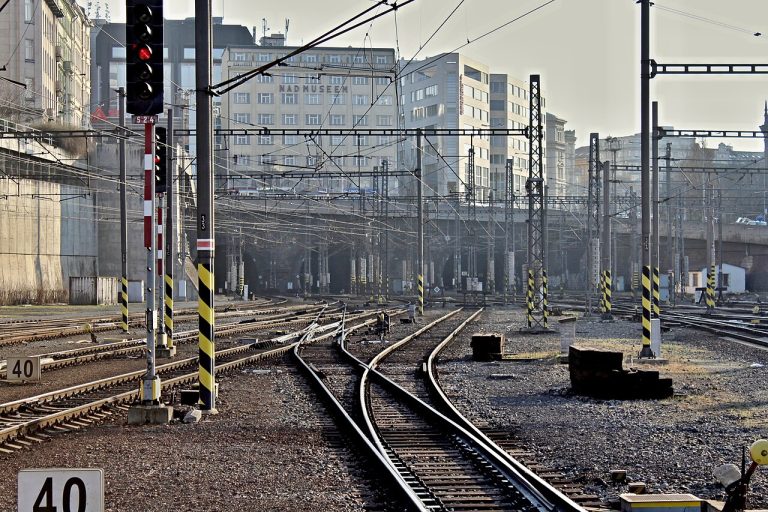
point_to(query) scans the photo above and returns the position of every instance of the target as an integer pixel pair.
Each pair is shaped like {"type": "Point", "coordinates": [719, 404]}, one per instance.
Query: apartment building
{"type": "Point", "coordinates": [509, 109]}
{"type": "Point", "coordinates": [46, 44]}
{"type": "Point", "coordinates": [324, 88]}
{"type": "Point", "coordinates": [449, 91]}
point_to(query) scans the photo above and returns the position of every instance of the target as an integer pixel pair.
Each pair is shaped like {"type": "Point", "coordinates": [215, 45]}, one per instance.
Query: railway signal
{"type": "Point", "coordinates": [161, 162]}
{"type": "Point", "coordinates": [144, 43]}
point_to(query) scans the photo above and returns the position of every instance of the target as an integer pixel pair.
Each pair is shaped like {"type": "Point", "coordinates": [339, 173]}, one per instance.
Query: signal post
{"type": "Point", "coordinates": [144, 73]}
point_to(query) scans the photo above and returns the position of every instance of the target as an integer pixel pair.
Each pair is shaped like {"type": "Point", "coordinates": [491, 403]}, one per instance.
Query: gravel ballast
{"type": "Point", "coordinates": [720, 405]}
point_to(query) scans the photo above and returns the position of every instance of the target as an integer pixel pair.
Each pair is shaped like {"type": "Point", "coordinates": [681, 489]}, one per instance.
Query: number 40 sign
{"type": "Point", "coordinates": [61, 490]}
{"type": "Point", "coordinates": [22, 368]}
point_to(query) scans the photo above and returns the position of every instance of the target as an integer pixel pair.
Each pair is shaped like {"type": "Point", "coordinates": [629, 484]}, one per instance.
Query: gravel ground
{"type": "Point", "coordinates": [269, 448]}
{"type": "Point", "coordinates": [720, 405]}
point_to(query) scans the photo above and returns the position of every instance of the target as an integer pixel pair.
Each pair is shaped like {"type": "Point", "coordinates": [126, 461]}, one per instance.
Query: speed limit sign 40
{"type": "Point", "coordinates": [23, 368]}
{"type": "Point", "coordinates": [61, 490]}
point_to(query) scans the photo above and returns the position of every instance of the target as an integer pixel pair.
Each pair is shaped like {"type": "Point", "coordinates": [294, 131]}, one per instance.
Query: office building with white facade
{"type": "Point", "coordinates": [509, 109]}
{"type": "Point", "coordinates": [341, 89]}
{"type": "Point", "coordinates": [448, 91]}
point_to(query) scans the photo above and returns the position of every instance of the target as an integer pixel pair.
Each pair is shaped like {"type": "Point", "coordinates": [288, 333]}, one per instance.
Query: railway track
{"type": "Point", "coordinates": [64, 358]}
{"type": "Point", "coordinates": [28, 421]}
{"type": "Point", "coordinates": [13, 332]}
{"type": "Point", "coordinates": [433, 461]}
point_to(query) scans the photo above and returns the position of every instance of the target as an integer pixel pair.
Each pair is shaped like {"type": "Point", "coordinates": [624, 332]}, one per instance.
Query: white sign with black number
{"type": "Point", "coordinates": [61, 490]}
{"type": "Point", "coordinates": [23, 369]}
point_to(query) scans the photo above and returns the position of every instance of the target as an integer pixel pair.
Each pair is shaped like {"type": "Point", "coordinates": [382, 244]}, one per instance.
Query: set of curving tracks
{"type": "Point", "coordinates": [16, 331]}
{"type": "Point", "coordinates": [395, 410]}
{"type": "Point", "coordinates": [744, 322]}
{"type": "Point", "coordinates": [34, 419]}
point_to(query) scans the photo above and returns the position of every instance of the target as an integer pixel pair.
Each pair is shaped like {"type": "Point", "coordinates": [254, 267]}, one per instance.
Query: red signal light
{"type": "Point", "coordinates": [144, 53]}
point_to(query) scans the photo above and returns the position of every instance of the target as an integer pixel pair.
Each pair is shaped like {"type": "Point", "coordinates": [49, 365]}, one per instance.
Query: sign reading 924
{"type": "Point", "coordinates": [61, 490]}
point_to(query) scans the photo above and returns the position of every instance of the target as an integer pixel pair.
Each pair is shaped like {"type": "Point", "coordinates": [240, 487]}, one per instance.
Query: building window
{"type": "Point", "coordinates": [242, 118]}
{"type": "Point", "coordinates": [290, 160]}
{"type": "Point", "coordinates": [238, 56]}
{"type": "Point", "coordinates": [313, 79]}
{"type": "Point", "coordinates": [358, 59]}
{"type": "Point", "coordinates": [360, 161]}
{"type": "Point", "coordinates": [187, 79]}
{"type": "Point", "coordinates": [118, 52]}
{"type": "Point", "coordinates": [290, 79]}
{"type": "Point", "coordinates": [337, 140]}
{"type": "Point", "coordinates": [265, 98]}
{"type": "Point", "coordinates": [337, 119]}
{"type": "Point", "coordinates": [267, 159]}
{"type": "Point", "coordinates": [29, 10]}
{"type": "Point", "coordinates": [290, 140]}
{"type": "Point", "coordinates": [360, 120]}
{"type": "Point", "coordinates": [29, 50]}
{"type": "Point", "coordinates": [384, 140]}
{"type": "Point", "coordinates": [289, 98]}
{"type": "Point", "coordinates": [312, 119]}
{"type": "Point", "coordinates": [241, 140]}
{"type": "Point", "coordinates": [217, 53]}
{"type": "Point", "coordinates": [335, 80]}
{"type": "Point", "coordinates": [334, 59]}
{"type": "Point", "coordinates": [311, 161]}
{"type": "Point", "coordinates": [361, 140]}
{"type": "Point", "coordinates": [266, 119]}
{"type": "Point", "coordinates": [337, 99]}
{"type": "Point", "coordinates": [382, 80]}
{"type": "Point", "coordinates": [382, 59]}
{"type": "Point", "coordinates": [431, 90]}
{"type": "Point", "coordinates": [189, 53]}
{"type": "Point", "coordinates": [265, 79]}
{"type": "Point", "coordinates": [383, 120]}
{"type": "Point", "coordinates": [313, 99]}
{"type": "Point", "coordinates": [360, 99]}
{"type": "Point", "coordinates": [289, 119]}
{"type": "Point", "coordinates": [263, 57]}
{"type": "Point", "coordinates": [384, 99]}
{"type": "Point", "coordinates": [242, 97]}
{"type": "Point", "coordinates": [310, 57]}
{"type": "Point", "coordinates": [265, 140]}
{"type": "Point", "coordinates": [359, 80]}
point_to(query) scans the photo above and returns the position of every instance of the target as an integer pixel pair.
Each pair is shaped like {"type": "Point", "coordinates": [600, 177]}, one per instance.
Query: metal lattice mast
{"type": "Point", "coordinates": [593, 219]}
{"type": "Point", "coordinates": [534, 187]}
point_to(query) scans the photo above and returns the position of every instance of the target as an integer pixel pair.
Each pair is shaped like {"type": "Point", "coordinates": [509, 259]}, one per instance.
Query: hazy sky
{"type": "Point", "coordinates": [586, 51]}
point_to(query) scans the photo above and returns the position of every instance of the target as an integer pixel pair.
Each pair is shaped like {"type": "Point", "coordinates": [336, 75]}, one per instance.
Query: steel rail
{"type": "Point", "coordinates": [500, 464]}
{"type": "Point", "coordinates": [351, 427]}
{"type": "Point", "coordinates": [562, 502]}
{"type": "Point", "coordinates": [26, 426]}
{"type": "Point", "coordinates": [86, 354]}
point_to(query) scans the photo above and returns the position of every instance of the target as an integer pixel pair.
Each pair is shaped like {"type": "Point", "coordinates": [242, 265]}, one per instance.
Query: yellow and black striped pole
{"type": "Point", "coordinates": [544, 297]}
{"type": "Point", "coordinates": [421, 294]}
{"type": "Point", "coordinates": [206, 342]}
{"type": "Point", "coordinates": [710, 292]}
{"type": "Point", "coordinates": [124, 304]}
{"type": "Point", "coordinates": [168, 316]}
{"type": "Point", "coordinates": [646, 351]}
{"type": "Point", "coordinates": [529, 297]}
{"type": "Point", "coordinates": [656, 308]}
{"type": "Point", "coordinates": [607, 292]}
